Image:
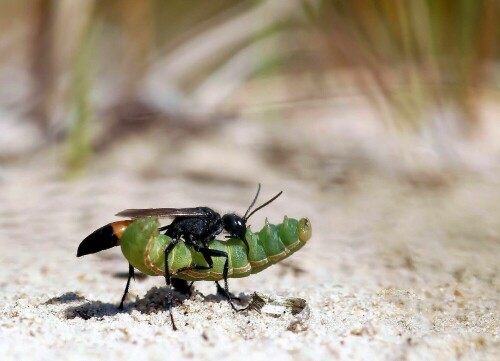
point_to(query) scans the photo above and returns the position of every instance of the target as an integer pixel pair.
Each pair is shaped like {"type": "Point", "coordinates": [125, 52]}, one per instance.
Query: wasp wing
{"type": "Point", "coordinates": [162, 212]}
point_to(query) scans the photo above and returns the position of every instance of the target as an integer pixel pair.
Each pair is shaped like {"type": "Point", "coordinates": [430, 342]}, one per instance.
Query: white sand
{"type": "Point", "coordinates": [392, 272]}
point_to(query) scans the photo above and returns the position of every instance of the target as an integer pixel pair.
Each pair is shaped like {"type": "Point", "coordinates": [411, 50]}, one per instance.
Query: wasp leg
{"type": "Point", "coordinates": [206, 253]}
{"type": "Point", "coordinates": [221, 291]}
{"type": "Point", "coordinates": [226, 288]}
{"type": "Point", "coordinates": [131, 274]}
{"type": "Point", "coordinates": [217, 253]}
{"type": "Point", "coordinates": [168, 280]}
{"type": "Point", "coordinates": [182, 286]}
{"type": "Point", "coordinates": [190, 240]}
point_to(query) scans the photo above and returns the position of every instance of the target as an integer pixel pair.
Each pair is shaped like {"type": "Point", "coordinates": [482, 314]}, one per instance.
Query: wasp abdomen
{"type": "Point", "coordinates": [103, 238]}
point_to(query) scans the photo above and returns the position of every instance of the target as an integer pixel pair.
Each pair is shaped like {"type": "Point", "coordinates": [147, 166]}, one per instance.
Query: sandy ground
{"type": "Point", "coordinates": [401, 265]}
{"type": "Point", "coordinates": [394, 271]}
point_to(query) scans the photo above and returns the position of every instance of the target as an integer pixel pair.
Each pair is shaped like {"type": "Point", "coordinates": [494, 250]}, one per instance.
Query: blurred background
{"type": "Point", "coordinates": [233, 90]}
{"type": "Point", "coordinates": [376, 118]}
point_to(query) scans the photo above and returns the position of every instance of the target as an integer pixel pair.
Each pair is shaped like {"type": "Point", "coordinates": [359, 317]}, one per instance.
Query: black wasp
{"type": "Point", "coordinates": [196, 227]}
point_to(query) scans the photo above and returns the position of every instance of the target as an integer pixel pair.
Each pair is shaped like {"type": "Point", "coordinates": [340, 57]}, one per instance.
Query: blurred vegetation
{"type": "Point", "coordinates": [420, 54]}
{"type": "Point", "coordinates": [98, 68]}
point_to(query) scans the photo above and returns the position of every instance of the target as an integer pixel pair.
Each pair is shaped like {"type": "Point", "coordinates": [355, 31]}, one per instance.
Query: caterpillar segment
{"type": "Point", "coordinates": [144, 246]}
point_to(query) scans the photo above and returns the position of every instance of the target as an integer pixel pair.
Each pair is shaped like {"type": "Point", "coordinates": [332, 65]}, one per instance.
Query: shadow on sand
{"type": "Point", "coordinates": [68, 297]}
{"type": "Point", "coordinates": [155, 300]}
{"type": "Point", "coordinates": [93, 309]}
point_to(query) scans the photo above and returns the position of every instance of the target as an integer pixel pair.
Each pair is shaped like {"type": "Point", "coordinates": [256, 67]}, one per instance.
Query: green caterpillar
{"type": "Point", "coordinates": [146, 248]}
{"type": "Point", "coordinates": [143, 246]}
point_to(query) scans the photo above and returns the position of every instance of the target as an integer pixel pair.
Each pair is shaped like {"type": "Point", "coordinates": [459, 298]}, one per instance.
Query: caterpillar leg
{"type": "Point", "coordinates": [168, 281]}
{"type": "Point", "coordinates": [131, 274]}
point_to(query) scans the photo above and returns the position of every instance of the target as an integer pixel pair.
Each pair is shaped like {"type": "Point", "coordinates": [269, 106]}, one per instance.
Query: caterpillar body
{"type": "Point", "coordinates": [144, 247]}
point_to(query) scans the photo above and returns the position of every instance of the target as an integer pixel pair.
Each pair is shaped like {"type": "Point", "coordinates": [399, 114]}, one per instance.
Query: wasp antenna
{"type": "Point", "coordinates": [263, 205]}
{"type": "Point", "coordinates": [253, 202]}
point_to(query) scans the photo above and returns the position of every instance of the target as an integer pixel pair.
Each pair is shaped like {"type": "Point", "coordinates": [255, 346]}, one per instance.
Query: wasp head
{"type": "Point", "coordinates": [235, 225]}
